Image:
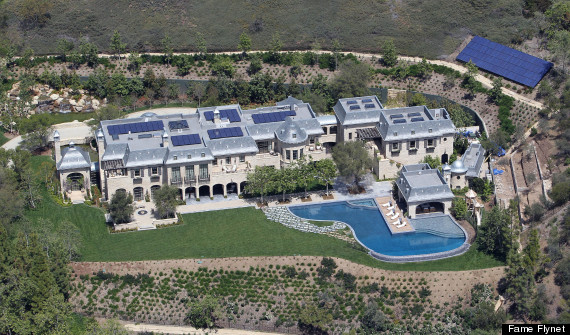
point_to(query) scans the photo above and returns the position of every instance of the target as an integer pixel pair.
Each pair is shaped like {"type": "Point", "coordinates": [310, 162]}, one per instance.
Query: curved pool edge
{"type": "Point", "coordinates": [401, 259]}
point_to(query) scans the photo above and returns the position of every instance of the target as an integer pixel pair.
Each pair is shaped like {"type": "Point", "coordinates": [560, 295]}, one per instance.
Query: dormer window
{"type": "Point", "coordinates": [429, 130]}
{"type": "Point", "coordinates": [395, 133]}
{"type": "Point", "coordinates": [413, 132]}
{"type": "Point", "coordinates": [294, 135]}
{"type": "Point", "coordinates": [203, 155]}
{"type": "Point", "coordinates": [174, 158]}
{"type": "Point", "coordinates": [189, 156]}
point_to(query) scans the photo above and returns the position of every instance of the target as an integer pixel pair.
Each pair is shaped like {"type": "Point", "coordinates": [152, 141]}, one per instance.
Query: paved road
{"type": "Point", "coordinates": [75, 131]}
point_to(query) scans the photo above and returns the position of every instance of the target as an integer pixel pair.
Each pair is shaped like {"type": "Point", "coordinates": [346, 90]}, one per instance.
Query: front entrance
{"type": "Point", "coordinates": [75, 181]}
{"type": "Point", "coordinates": [138, 194]}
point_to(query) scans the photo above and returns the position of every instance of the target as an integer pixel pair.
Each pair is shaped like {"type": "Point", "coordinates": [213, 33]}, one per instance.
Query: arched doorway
{"type": "Point", "coordinates": [153, 189]}
{"type": "Point", "coordinates": [242, 186]}
{"type": "Point", "coordinates": [232, 188]}
{"type": "Point", "coordinates": [444, 159]}
{"type": "Point", "coordinates": [190, 192]}
{"type": "Point", "coordinates": [430, 207]}
{"type": "Point", "coordinates": [204, 191]}
{"type": "Point", "coordinates": [75, 181]}
{"type": "Point", "coordinates": [138, 194]}
{"type": "Point", "coordinates": [218, 189]}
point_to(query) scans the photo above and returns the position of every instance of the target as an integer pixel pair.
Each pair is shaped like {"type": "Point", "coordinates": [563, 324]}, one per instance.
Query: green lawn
{"type": "Point", "coordinates": [3, 139]}
{"type": "Point", "coordinates": [226, 233]}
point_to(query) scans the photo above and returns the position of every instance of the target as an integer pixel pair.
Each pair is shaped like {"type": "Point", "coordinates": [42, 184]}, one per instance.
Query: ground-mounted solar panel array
{"type": "Point", "coordinates": [138, 127]}
{"type": "Point", "coordinates": [504, 61]}
{"type": "Point", "coordinates": [271, 117]}
{"type": "Point", "coordinates": [189, 139]}
{"type": "Point", "coordinates": [225, 132]}
{"type": "Point", "coordinates": [231, 114]}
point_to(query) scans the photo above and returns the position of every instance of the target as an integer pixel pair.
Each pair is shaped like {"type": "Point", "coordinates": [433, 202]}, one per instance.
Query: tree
{"type": "Point", "coordinates": [560, 45]}
{"type": "Point", "coordinates": [121, 207]}
{"type": "Point", "coordinates": [327, 268]}
{"type": "Point", "coordinates": [557, 16]}
{"type": "Point", "coordinates": [418, 99]}
{"type": "Point", "coordinates": [198, 91]}
{"type": "Point", "coordinates": [352, 80]}
{"type": "Point", "coordinates": [255, 65]}
{"type": "Point", "coordinates": [336, 47]}
{"type": "Point", "coordinates": [223, 67]}
{"type": "Point", "coordinates": [244, 43]}
{"type": "Point", "coordinates": [496, 93]}
{"type": "Point", "coordinates": [389, 53]}
{"type": "Point", "coordinates": [373, 321]}
{"type": "Point", "coordinates": [200, 43]}
{"type": "Point", "coordinates": [433, 162]}
{"type": "Point", "coordinates": [495, 234]}
{"type": "Point", "coordinates": [285, 180]}
{"type": "Point", "coordinates": [117, 46]}
{"type": "Point", "coordinates": [89, 52]}
{"type": "Point", "coordinates": [75, 59]}
{"type": "Point", "coordinates": [30, 189]}
{"type": "Point", "coordinates": [424, 68]}
{"type": "Point", "coordinates": [203, 314]}
{"type": "Point", "coordinates": [534, 212]}
{"type": "Point", "coordinates": [167, 49]}
{"type": "Point", "coordinates": [165, 201]}
{"type": "Point", "coordinates": [10, 197]}
{"type": "Point", "coordinates": [260, 181]}
{"type": "Point", "coordinates": [305, 171]}
{"type": "Point", "coordinates": [314, 320]}
{"type": "Point", "coordinates": [459, 208]}
{"type": "Point", "coordinates": [70, 238]}
{"type": "Point", "coordinates": [519, 282]}
{"type": "Point", "coordinates": [469, 81]}
{"type": "Point", "coordinates": [351, 159]}
{"type": "Point", "coordinates": [63, 48]}
{"type": "Point", "coordinates": [326, 172]}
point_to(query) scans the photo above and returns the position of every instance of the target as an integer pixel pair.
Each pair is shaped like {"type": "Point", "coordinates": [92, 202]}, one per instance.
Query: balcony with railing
{"type": "Point", "coordinates": [190, 180]}
{"type": "Point", "coordinates": [176, 181]}
{"type": "Point", "coordinates": [204, 177]}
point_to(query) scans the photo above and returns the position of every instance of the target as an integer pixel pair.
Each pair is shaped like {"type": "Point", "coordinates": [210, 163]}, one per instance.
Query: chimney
{"type": "Point", "coordinates": [164, 139]}
{"type": "Point", "coordinates": [57, 146]}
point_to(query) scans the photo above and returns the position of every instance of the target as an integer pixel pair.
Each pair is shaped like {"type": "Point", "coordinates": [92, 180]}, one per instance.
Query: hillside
{"type": "Point", "coordinates": [431, 28]}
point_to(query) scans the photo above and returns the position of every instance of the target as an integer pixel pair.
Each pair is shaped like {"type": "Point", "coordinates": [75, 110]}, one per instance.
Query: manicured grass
{"type": "Point", "coordinates": [321, 223]}
{"type": "Point", "coordinates": [226, 233]}
{"type": "Point", "coordinates": [3, 139]}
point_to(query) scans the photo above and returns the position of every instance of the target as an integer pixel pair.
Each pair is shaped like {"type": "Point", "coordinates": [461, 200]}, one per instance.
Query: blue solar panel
{"type": "Point", "coordinates": [399, 121]}
{"type": "Point", "coordinates": [351, 102]}
{"type": "Point", "coordinates": [504, 61]}
{"type": "Point", "coordinates": [354, 107]}
{"type": "Point", "coordinates": [138, 127]}
{"type": "Point", "coordinates": [271, 117]}
{"type": "Point", "coordinates": [230, 114]}
{"type": "Point", "coordinates": [396, 116]}
{"type": "Point", "coordinates": [414, 114]}
{"type": "Point", "coordinates": [366, 100]}
{"type": "Point", "coordinates": [185, 140]}
{"type": "Point", "coordinates": [369, 106]}
{"type": "Point", "coordinates": [225, 132]}
{"type": "Point", "coordinates": [415, 119]}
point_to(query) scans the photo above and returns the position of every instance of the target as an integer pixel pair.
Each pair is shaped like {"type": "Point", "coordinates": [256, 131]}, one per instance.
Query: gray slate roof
{"type": "Point", "coordinates": [289, 132]}
{"type": "Point", "coordinates": [436, 123]}
{"type": "Point", "coordinates": [73, 157]}
{"type": "Point", "coordinates": [473, 159]}
{"type": "Point", "coordinates": [418, 183]}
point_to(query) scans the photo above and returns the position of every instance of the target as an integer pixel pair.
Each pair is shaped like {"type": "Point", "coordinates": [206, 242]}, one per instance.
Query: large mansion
{"type": "Point", "coordinates": [212, 151]}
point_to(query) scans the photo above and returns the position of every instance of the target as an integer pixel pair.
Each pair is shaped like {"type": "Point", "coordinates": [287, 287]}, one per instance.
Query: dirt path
{"type": "Point", "coordinates": [164, 329]}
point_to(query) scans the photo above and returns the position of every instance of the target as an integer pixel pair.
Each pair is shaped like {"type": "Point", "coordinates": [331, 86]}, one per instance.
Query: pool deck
{"type": "Point", "coordinates": [384, 211]}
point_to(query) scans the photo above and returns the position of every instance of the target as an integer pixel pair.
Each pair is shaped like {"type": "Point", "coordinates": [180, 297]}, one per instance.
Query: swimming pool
{"type": "Point", "coordinates": [371, 230]}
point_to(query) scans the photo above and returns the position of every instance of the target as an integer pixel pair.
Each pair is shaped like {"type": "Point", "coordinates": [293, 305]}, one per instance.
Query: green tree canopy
{"type": "Point", "coordinates": [352, 80]}
{"type": "Point", "coordinates": [326, 172]}
{"type": "Point", "coordinates": [389, 53]}
{"type": "Point", "coordinates": [351, 159]}
{"type": "Point", "coordinates": [495, 234]}
{"type": "Point", "coordinates": [116, 45]}
{"type": "Point", "coordinates": [204, 313]}
{"type": "Point", "coordinates": [165, 201]}
{"type": "Point", "coordinates": [244, 43]}
{"type": "Point", "coordinates": [260, 181]}
{"type": "Point", "coordinates": [121, 207]}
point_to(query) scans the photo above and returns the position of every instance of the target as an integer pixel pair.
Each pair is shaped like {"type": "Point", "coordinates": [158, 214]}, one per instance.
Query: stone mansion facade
{"type": "Point", "coordinates": [212, 151]}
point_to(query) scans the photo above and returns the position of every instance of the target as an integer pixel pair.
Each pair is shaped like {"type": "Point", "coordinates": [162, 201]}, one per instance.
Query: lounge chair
{"type": "Point", "coordinates": [390, 213]}
{"type": "Point", "coordinates": [397, 222]}
{"type": "Point", "coordinates": [395, 216]}
{"type": "Point", "coordinates": [390, 208]}
{"type": "Point", "coordinates": [401, 225]}
{"type": "Point", "coordinates": [386, 204]}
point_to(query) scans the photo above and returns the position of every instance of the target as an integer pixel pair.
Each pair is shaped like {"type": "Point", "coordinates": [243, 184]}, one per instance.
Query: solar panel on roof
{"type": "Point", "coordinates": [271, 117]}
{"type": "Point", "coordinates": [225, 132]}
{"type": "Point", "coordinates": [351, 102]}
{"type": "Point", "coordinates": [504, 61]}
{"type": "Point", "coordinates": [416, 119]}
{"type": "Point", "coordinates": [367, 100]}
{"type": "Point", "coordinates": [399, 121]}
{"type": "Point", "coordinates": [231, 114]}
{"type": "Point", "coordinates": [369, 106]}
{"type": "Point", "coordinates": [354, 107]}
{"type": "Point", "coordinates": [414, 114]}
{"type": "Point", "coordinates": [138, 127]}
{"type": "Point", "coordinates": [396, 116]}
